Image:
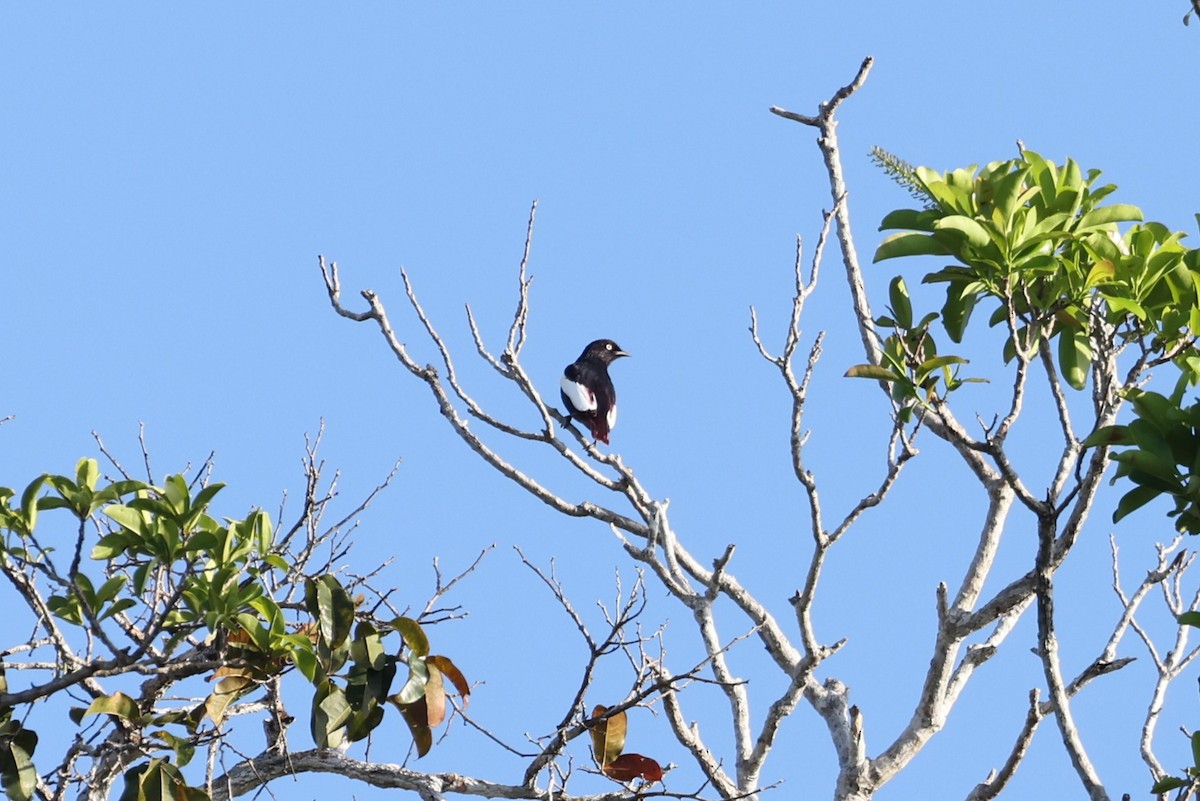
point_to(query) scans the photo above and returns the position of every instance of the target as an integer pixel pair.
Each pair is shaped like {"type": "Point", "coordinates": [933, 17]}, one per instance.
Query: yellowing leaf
{"type": "Point", "coordinates": [413, 634]}
{"type": "Point", "coordinates": [118, 704]}
{"type": "Point", "coordinates": [228, 690]}
{"type": "Point", "coordinates": [608, 736]}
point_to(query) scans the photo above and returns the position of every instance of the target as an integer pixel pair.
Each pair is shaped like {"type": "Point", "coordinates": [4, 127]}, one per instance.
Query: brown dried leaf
{"type": "Point", "coordinates": [435, 697]}
{"type": "Point", "coordinates": [628, 767]}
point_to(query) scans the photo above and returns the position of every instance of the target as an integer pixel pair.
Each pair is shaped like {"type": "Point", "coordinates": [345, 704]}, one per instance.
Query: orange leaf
{"type": "Point", "coordinates": [435, 697]}
{"type": "Point", "coordinates": [628, 767]}
{"type": "Point", "coordinates": [452, 672]}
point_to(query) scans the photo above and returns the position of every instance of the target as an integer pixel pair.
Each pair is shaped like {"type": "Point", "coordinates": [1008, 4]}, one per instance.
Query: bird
{"type": "Point", "coordinates": [587, 390]}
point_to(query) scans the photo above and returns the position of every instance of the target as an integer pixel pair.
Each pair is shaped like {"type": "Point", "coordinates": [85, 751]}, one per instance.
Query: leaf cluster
{"type": "Point", "coordinates": [1038, 239]}
{"type": "Point", "coordinates": [1161, 451]}
{"type": "Point", "coordinates": [347, 710]}
{"type": "Point", "coordinates": [198, 596]}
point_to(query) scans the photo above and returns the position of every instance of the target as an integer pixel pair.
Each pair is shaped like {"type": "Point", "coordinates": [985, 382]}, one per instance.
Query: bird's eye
{"type": "Point", "coordinates": [608, 346]}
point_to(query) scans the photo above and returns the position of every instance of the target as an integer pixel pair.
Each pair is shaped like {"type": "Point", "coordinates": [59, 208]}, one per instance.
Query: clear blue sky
{"type": "Point", "coordinates": [171, 173]}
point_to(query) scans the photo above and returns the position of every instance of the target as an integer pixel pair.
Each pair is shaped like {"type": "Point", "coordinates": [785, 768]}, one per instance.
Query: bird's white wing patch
{"type": "Point", "coordinates": [612, 417]}
{"type": "Point", "coordinates": [579, 395]}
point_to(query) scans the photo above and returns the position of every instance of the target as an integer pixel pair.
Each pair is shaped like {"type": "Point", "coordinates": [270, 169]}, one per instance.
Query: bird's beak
{"type": "Point", "coordinates": [620, 353]}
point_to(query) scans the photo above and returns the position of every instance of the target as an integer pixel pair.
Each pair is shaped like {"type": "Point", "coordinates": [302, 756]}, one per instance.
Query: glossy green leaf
{"type": "Point", "coordinates": [414, 688]}
{"type": "Point", "coordinates": [109, 589]}
{"type": "Point", "coordinates": [332, 607]}
{"type": "Point", "coordinates": [116, 608]}
{"type": "Point", "coordinates": [909, 243]}
{"type": "Point", "coordinates": [16, 765]}
{"type": "Point", "coordinates": [1167, 784]}
{"type": "Point", "coordinates": [871, 371]}
{"type": "Point", "coordinates": [1108, 435]}
{"type": "Point", "coordinates": [131, 519]}
{"type": "Point", "coordinates": [1133, 500]}
{"type": "Point", "coordinates": [938, 362]}
{"type": "Point", "coordinates": [970, 230]}
{"type": "Point", "coordinates": [1118, 212]}
{"type": "Point", "coordinates": [956, 311]}
{"type": "Point", "coordinates": [305, 661]}
{"type": "Point", "coordinates": [184, 749]}
{"type": "Point", "coordinates": [1074, 356]}
{"type": "Point", "coordinates": [910, 220]}
{"type": "Point", "coordinates": [329, 715]}
{"type": "Point", "coordinates": [901, 302]}
{"type": "Point", "coordinates": [29, 505]}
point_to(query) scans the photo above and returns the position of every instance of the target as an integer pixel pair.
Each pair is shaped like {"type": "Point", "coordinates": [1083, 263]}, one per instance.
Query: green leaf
{"type": "Point", "coordinates": [1074, 356]}
{"type": "Point", "coordinates": [110, 546]}
{"type": "Point", "coordinates": [1189, 619]}
{"type": "Point", "coordinates": [366, 648]}
{"type": "Point", "coordinates": [332, 607]}
{"type": "Point", "coordinates": [329, 715]}
{"type": "Point", "coordinates": [970, 230]}
{"type": "Point", "coordinates": [871, 371]}
{"type": "Point", "coordinates": [305, 661]}
{"type": "Point", "coordinates": [956, 312]}
{"type": "Point", "coordinates": [1118, 212]}
{"type": "Point", "coordinates": [901, 303]}
{"type": "Point", "coordinates": [109, 589]}
{"type": "Point", "coordinates": [184, 749]}
{"type": "Point", "coordinates": [910, 220]}
{"type": "Point", "coordinates": [118, 704]}
{"type": "Point", "coordinates": [117, 608]}
{"type": "Point", "coordinates": [1108, 435]}
{"type": "Point", "coordinates": [176, 494]}
{"type": "Point", "coordinates": [1008, 188]}
{"type": "Point", "coordinates": [87, 472]}
{"type": "Point", "coordinates": [29, 506]}
{"type": "Point", "coordinates": [1133, 500]}
{"type": "Point", "coordinates": [909, 244]}
{"type": "Point", "coordinates": [16, 764]}
{"type": "Point", "coordinates": [414, 688]}
{"type": "Point", "coordinates": [1167, 784]}
{"type": "Point", "coordinates": [129, 518]}
{"type": "Point", "coordinates": [937, 362]}
{"type": "Point", "coordinates": [205, 495]}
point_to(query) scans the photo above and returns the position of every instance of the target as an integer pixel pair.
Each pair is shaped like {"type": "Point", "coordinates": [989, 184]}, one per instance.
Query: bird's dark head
{"type": "Point", "coordinates": [604, 351]}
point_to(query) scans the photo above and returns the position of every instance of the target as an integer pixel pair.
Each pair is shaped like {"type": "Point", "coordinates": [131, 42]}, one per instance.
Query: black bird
{"type": "Point", "coordinates": [588, 391]}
